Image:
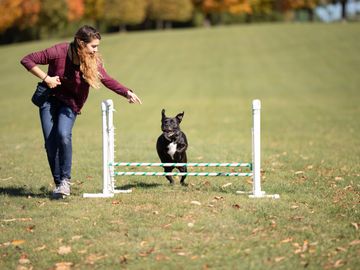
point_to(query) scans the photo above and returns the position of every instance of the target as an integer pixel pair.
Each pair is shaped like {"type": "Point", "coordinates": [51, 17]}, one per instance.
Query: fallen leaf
{"type": "Point", "coordinates": [355, 225]}
{"type": "Point", "coordinates": [161, 257]}
{"type": "Point", "coordinates": [341, 249]}
{"type": "Point", "coordinates": [287, 240]}
{"type": "Point", "coordinates": [297, 217]}
{"type": "Point", "coordinates": [146, 253]}
{"type": "Point", "coordinates": [92, 258]}
{"type": "Point", "coordinates": [339, 263]}
{"type": "Point", "coordinates": [17, 219]}
{"type": "Point", "coordinates": [279, 259]}
{"type": "Point", "coordinates": [63, 266]}
{"type": "Point", "coordinates": [76, 237]}
{"type": "Point", "coordinates": [40, 248]}
{"type": "Point", "coordinates": [63, 250]}
{"type": "Point", "coordinates": [195, 202]}
{"type": "Point", "coordinates": [299, 172]}
{"type": "Point", "coordinates": [254, 231]}
{"type": "Point", "coordinates": [123, 259]}
{"type": "Point", "coordinates": [17, 242]}
{"type": "Point", "coordinates": [143, 243]}
{"type": "Point", "coordinates": [115, 202]}
{"type": "Point", "coordinates": [226, 185]}
{"type": "Point", "coordinates": [24, 259]}
{"type": "Point", "coordinates": [355, 242]}
{"type": "Point", "coordinates": [30, 228]}
{"type": "Point", "coordinates": [305, 246]}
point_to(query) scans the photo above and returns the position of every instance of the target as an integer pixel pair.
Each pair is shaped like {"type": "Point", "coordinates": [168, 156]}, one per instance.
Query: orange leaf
{"type": "Point", "coordinates": [17, 242]}
{"type": "Point", "coordinates": [115, 202]}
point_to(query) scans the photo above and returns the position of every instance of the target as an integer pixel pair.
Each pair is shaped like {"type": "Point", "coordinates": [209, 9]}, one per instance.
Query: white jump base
{"type": "Point", "coordinates": [109, 173]}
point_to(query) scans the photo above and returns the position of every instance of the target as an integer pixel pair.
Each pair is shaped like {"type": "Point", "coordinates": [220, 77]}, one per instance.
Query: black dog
{"type": "Point", "coordinates": [172, 144]}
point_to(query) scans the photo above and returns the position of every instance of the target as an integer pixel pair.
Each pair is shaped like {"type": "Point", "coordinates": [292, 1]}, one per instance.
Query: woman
{"type": "Point", "coordinates": [72, 69]}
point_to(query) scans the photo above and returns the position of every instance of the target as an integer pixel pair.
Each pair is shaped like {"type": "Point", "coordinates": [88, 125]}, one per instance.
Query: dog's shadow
{"type": "Point", "coordinates": [24, 192]}
{"type": "Point", "coordinates": [139, 185]}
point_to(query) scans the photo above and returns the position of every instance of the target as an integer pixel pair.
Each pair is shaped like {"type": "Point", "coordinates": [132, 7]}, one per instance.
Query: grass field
{"type": "Point", "coordinates": [307, 77]}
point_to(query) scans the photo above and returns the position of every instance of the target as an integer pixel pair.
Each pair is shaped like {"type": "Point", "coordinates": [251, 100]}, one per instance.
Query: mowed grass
{"type": "Point", "coordinates": [307, 77]}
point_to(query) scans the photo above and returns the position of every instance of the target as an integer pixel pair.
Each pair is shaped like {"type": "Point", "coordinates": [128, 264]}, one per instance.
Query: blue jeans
{"type": "Point", "coordinates": [57, 121]}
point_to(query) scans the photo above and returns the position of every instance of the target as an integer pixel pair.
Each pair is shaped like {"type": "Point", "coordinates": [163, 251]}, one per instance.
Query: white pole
{"type": "Point", "coordinates": [105, 136]}
{"type": "Point", "coordinates": [256, 107]}
{"type": "Point", "coordinates": [107, 191]}
{"type": "Point", "coordinates": [256, 151]}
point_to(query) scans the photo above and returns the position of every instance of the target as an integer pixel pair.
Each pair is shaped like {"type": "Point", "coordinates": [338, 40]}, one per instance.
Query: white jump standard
{"type": "Point", "coordinates": [109, 164]}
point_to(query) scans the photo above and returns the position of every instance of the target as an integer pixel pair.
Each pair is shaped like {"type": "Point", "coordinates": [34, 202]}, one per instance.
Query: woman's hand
{"type": "Point", "coordinates": [52, 82]}
{"type": "Point", "coordinates": [132, 97]}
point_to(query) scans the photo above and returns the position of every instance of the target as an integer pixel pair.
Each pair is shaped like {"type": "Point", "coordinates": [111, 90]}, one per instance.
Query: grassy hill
{"type": "Point", "coordinates": [307, 77]}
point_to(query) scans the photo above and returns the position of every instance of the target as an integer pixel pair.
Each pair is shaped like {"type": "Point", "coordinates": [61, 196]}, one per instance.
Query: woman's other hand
{"type": "Point", "coordinates": [52, 82]}
{"type": "Point", "coordinates": [133, 98]}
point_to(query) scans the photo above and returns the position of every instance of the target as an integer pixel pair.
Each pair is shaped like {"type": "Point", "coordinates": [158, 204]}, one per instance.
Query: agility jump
{"type": "Point", "coordinates": [109, 165]}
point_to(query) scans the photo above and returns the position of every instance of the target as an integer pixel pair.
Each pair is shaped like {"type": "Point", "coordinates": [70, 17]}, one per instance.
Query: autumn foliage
{"type": "Point", "coordinates": [58, 17]}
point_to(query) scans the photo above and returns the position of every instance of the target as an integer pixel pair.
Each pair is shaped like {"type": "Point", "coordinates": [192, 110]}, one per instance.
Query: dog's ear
{"type": "Point", "coordinates": [163, 113]}
{"type": "Point", "coordinates": [179, 117]}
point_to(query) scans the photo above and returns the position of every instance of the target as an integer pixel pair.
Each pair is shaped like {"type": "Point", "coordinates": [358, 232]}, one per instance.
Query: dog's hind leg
{"type": "Point", "coordinates": [168, 177]}
{"type": "Point", "coordinates": [183, 170]}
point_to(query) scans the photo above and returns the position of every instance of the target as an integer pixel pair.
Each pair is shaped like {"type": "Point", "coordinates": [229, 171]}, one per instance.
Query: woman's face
{"type": "Point", "coordinates": [92, 46]}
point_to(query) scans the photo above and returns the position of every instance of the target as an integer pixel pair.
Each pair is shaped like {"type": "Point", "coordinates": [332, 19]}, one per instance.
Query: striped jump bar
{"type": "Point", "coordinates": [180, 174]}
{"type": "Point", "coordinates": [149, 164]}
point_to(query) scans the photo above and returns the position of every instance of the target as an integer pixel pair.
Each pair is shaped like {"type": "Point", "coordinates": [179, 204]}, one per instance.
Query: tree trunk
{"type": "Point", "coordinates": [343, 9]}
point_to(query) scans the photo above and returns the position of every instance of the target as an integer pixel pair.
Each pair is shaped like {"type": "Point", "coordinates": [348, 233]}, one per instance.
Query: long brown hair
{"type": "Point", "coordinates": [88, 62]}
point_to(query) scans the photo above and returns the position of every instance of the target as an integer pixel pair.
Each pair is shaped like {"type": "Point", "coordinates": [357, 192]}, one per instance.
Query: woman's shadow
{"type": "Point", "coordinates": [43, 192]}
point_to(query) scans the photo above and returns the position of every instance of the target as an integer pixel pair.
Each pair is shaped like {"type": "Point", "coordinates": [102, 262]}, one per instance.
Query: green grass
{"type": "Point", "coordinates": [307, 77]}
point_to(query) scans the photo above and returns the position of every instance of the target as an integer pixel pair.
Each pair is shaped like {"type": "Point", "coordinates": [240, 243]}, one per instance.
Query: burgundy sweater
{"type": "Point", "coordinates": [73, 90]}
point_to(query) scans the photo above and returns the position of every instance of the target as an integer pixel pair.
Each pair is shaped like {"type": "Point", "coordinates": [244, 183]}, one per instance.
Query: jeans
{"type": "Point", "coordinates": [57, 121]}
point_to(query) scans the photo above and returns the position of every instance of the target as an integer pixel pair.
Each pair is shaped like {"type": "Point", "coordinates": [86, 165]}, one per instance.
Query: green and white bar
{"type": "Point", "coordinates": [150, 164]}
{"type": "Point", "coordinates": [180, 174]}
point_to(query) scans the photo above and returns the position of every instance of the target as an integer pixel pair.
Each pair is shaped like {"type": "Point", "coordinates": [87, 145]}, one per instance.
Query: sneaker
{"type": "Point", "coordinates": [62, 189]}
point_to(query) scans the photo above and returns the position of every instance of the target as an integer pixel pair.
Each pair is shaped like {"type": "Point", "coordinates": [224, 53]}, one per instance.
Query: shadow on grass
{"type": "Point", "coordinates": [140, 185]}
{"type": "Point", "coordinates": [24, 192]}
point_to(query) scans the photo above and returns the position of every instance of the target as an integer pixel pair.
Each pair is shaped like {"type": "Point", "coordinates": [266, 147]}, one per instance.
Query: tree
{"type": "Point", "coordinates": [76, 10]}
{"type": "Point", "coordinates": [170, 11]}
{"type": "Point", "coordinates": [18, 13]}
{"type": "Point", "coordinates": [94, 11]}
{"type": "Point", "coordinates": [53, 17]}
{"type": "Point", "coordinates": [125, 12]}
